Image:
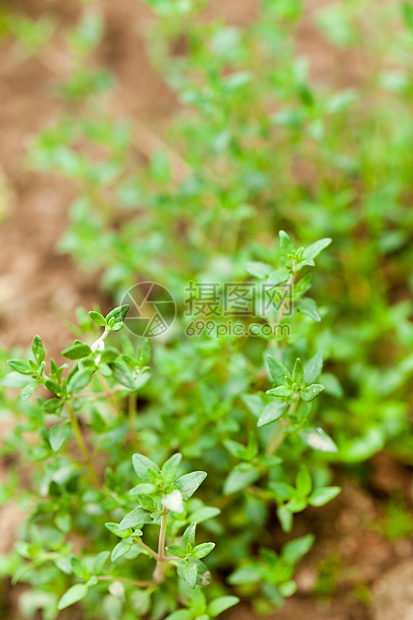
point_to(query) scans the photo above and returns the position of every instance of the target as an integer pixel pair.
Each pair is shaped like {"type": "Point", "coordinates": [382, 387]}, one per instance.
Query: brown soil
{"type": "Point", "coordinates": [40, 289]}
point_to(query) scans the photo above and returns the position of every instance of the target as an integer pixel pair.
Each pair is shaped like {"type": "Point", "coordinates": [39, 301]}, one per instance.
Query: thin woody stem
{"type": "Point", "coordinates": [279, 433]}
{"type": "Point", "coordinates": [80, 441]}
{"type": "Point", "coordinates": [106, 394]}
{"type": "Point", "coordinates": [162, 535]}
{"type": "Point", "coordinates": [132, 410]}
{"type": "Point", "coordinates": [148, 549]}
{"type": "Point", "coordinates": [132, 582]}
{"type": "Point", "coordinates": [109, 392]}
{"type": "Point", "coordinates": [287, 289]}
{"type": "Point", "coordinates": [159, 572]}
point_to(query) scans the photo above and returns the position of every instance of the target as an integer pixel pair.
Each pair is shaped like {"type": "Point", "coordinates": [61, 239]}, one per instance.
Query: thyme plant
{"type": "Point", "coordinates": [112, 511]}
{"type": "Point", "coordinates": [257, 145]}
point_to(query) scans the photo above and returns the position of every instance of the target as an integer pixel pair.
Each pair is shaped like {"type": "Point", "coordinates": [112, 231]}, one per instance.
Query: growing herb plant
{"type": "Point", "coordinates": [259, 146]}
{"type": "Point", "coordinates": [114, 513]}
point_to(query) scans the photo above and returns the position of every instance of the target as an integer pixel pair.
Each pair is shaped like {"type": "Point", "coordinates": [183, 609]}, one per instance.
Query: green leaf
{"type": "Point", "coordinates": [245, 574]}
{"type": "Point", "coordinates": [177, 550]}
{"type": "Point", "coordinates": [122, 374]}
{"type": "Point", "coordinates": [282, 391]}
{"type": "Point", "coordinates": [190, 573]}
{"type": "Point", "coordinates": [236, 449]}
{"type": "Point", "coordinates": [52, 405]}
{"type": "Point", "coordinates": [296, 504]}
{"type": "Point", "coordinates": [54, 387]}
{"type": "Point", "coordinates": [21, 366]}
{"type": "Point", "coordinates": [55, 490]}
{"type": "Point", "coordinates": [97, 424]}
{"type": "Point", "coordinates": [116, 326]}
{"type": "Point", "coordinates": [332, 385]}
{"type": "Point", "coordinates": [221, 604]}
{"type": "Point", "coordinates": [137, 516]}
{"type": "Point", "coordinates": [170, 468]}
{"type": "Point", "coordinates": [189, 483]}
{"type": "Point", "coordinates": [200, 551]}
{"type": "Point", "coordinates": [286, 518]}
{"type": "Point", "coordinates": [144, 353]}
{"type": "Point", "coordinates": [239, 479]}
{"type": "Point", "coordinates": [298, 372]}
{"type": "Point", "coordinates": [59, 434]}
{"type": "Point", "coordinates": [286, 245]}
{"type": "Point", "coordinates": [317, 439]}
{"type": "Point", "coordinates": [181, 614]}
{"type": "Point", "coordinates": [98, 318]}
{"type": "Point", "coordinates": [14, 379]}
{"type": "Point", "coordinates": [146, 469]}
{"type": "Point", "coordinates": [294, 550]}
{"type": "Point", "coordinates": [277, 372]}
{"type": "Point", "coordinates": [254, 403]}
{"type": "Point", "coordinates": [272, 412]}
{"type": "Point", "coordinates": [314, 249]}
{"type": "Point", "coordinates": [258, 269]}
{"type": "Point", "coordinates": [118, 314]}
{"type": "Point", "coordinates": [28, 390]}
{"type": "Point", "coordinates": [38, 350]}
{"type": "Point", "coordinates": [322, 496]}
{"type": "Point", "coordinates": [147, 502]}
{"type": "Point", "coordinates": [100, 561]}
{"type": "Point", "coordinates": [363, 447]}
{"type": "Point", "coordinates": [288, 588]}
{"type": "Point", "coordinates": [277, 277]}
{"type": "Point", "coordinates": [308, 306]}
{"type": "Point", "coordinates": [26, 568]}
{"type": "Point", "coordinates": [173, 501]}
{"type": "Point", "coordinates": [64, 564]}
{"type": "Point", "coordinates": [284, 490]}
{"type": "Point", "coordinates": [407, 14]}
{"type": "Point", "coordinates": [73, 595]}
{"type": "Point", "coordinates": [114, 528]}
{"type": "Point", "coordinates": [80, 379]}
{"type": "Point", "coordinates": [313, 368]}
{"type": "Point", "coordinates": [189, 534]}
{"type": "Point", "coordinates": [80, 569]}
{"type": "Point", "coordinates": [340, 101]}
{"type": "Point", "coordinates": [203, 514]}
{"type": "Point", "coordinates": [120, 550]}
{"type": "Point", "coordinates": [64, 522]}
{"type": "Point", "coordinates": [303, 263]}
{"type": "Point", "coordinates": [77, 351]}
{"type": "Point", "coordinates": [311, 392]}
{"type": "Point", "coordinates": [304, 482]}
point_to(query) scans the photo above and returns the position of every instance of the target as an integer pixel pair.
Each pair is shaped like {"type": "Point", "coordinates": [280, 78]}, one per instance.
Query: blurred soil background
{"type": "Point", "coordinates": [361, 568]}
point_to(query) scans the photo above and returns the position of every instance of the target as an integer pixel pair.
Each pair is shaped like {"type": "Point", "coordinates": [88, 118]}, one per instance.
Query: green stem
{"type": "Point", "coordinates": [79, 438]}
{"type": "Point", "coordinates": [147, 549]}
{"type": "Point", "coordinates": [260, 492]}
{"type": "Point", "coordinates": [97, 394]}
{"type": "Point", "coordinates": [108, 392]}
{"type": "Point", "coordinates": [159, 572]}
{"type": "Point", "coordinates": [132, 582]}
{"type": "Point", "coordinates": [280, 314]}
{"type": "Point", "coordinates": [279, 432]}
{"type": "Point", "coordinates": [133, 410]}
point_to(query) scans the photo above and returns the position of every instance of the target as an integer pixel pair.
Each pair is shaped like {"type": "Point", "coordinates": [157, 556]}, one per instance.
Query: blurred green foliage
{"type": "Point", "coordinates": [257, 144]}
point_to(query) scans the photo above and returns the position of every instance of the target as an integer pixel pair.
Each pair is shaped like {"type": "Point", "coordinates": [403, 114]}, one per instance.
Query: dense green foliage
{"type": "Point", "coordinates": [256, 147]}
